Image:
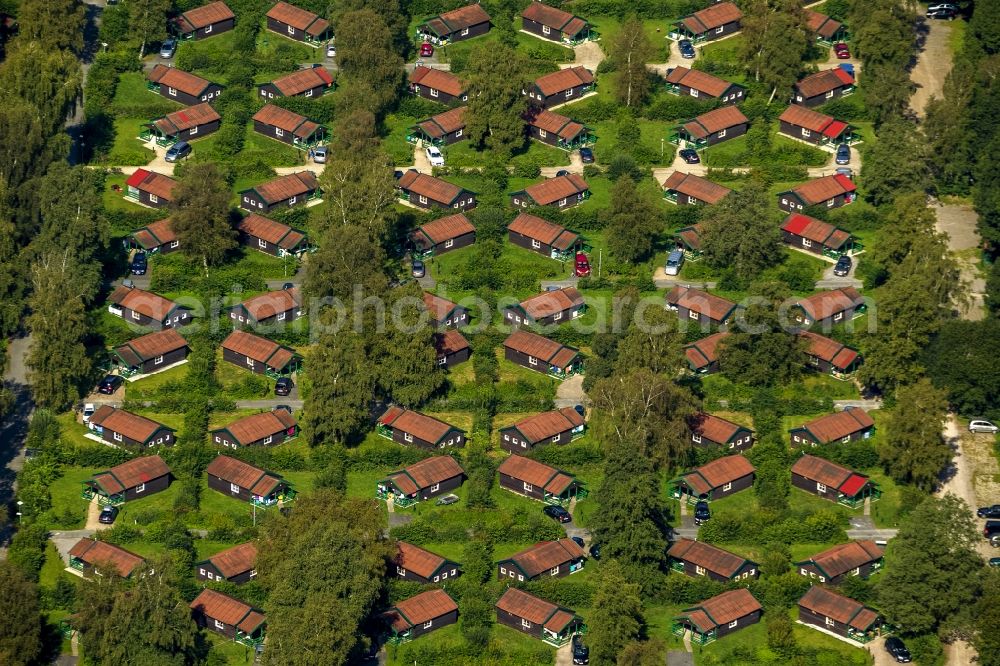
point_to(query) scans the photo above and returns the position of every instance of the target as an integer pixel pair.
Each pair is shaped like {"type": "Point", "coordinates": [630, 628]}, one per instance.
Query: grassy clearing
{"type": "Point", "coordinates": [783, 150]}
{"type": "Point", "coordinates": [509, 645]}
{"type": "Point", "coordinates": [128, 150]}
{"type": "Point", "coordinates": [134, 99]}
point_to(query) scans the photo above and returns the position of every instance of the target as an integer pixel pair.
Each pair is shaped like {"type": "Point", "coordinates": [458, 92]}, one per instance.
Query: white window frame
{"type": "Point", "coordinates": [154, 199]}
{"type": "Point", "coordinates": [728, 486]}
{"type": "Point", "coordinates": [569, 93]}
{"type": "Point", "coordinates": [291, 30]}
{"type": "Point", "coordinates": [428, 624]}
{"type": "Point", "coordinates": [503, 571]}
{"type": "Point", "coordinates": [692, 314]}
{"type": "Point", "coordinates": [562, 202]}
{"type": "Point", "coordinates": [434, 92]}
{"type": "Point", "coordinates": [803, 572]}
{"type": "Point", "coordinates": [219, 625]}
{"type": "Point", "coordinates": [830, 622]}
{"type": "Point", "coordinates": [193, 130]}
{"type": "Point", "coordinates": [436, 487]}
{"type": "Point", "coordinates": [838, 316]}
{"type": "Point", "coordinates": [421, 198]}
{"type": "Point", "coordinates": [829, 95]}
{"type": "Point", "coordinates": [546, 30]}
{"type": "Point", "coordinates": [532, 360]}
{"type": "Point", "coordinates": [217, 439]}
{"type": "Point", "coordinates": [845, 439]}
{"type": "Point", "coordinates": [249, 360]}
{"type": "Point", "coordinates": [309, 93]}
{"type": "Point", "coordinates": [208, 28]}
{"type": "Point", "coordinates": [820, 487]}
{"type": "Point", "coordinates": [557, 316]}
{"type": "Point", "coordinates": [542, 133]}
{"type": "Point", "coordinates": [806, 242]}
{"type": "Point", "coordinates": [136, 315]}
{"type": "Point", "coordinates": [554, 570]}
{"type": "Point", "coordinates": [831, 203]}
{"type": "Point", "coordinates": [253, 573]}
{"type": "Point", "coordinates": [696, 439]}
{"type": "Point", "coordinates": [174, 244]}
{"type": "Point", "coordinates": [465, 31]}
{"type": "Point", "coordinates": [527, 487]}
{"type": "Point", "coordinates": [722, 133]}
{"type": "Point", "coordinates": [556, 438]}
{"type": "Point", "coordinates": [172, 91]}
{"type": "Point", "coordinates": [279, 132]}
{"type": "Point", "coordinates": [280, 316]}
{"type": "Point", "coordinates": [400, 571]}
{"type": "Point", "coordinates": [292, 200]}
{"type": "Point", "coordinates": [525, 623]}
{"type": "Point", "coordinates": [449, 243]}
{"type": "Point", "coordinates": [117, 436]}
{"type": "Point", "coordinates": [269, 439]}
{"type": "Point", "coordinates": [407, 437]}
{"type": "Point", "coordinates": [233, 488]}
{"type": "Point", "coordinates": [733, 623]}
{"type": "Point", "coordinates": [806, 133]}
{"type": "Point", "coordinates": [158, 360]}
{"type": "Point", "coordinates": [720, 29]}
{"type": "Point", "coordinates": [700, 571]}
{"type": "Point", "coordinates": [534, 243]}
{"type": "Point", "coordinates": [693, 92]}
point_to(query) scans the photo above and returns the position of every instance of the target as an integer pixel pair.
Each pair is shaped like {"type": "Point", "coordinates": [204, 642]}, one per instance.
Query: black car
{"type": "Point", "coordinates": [283, 386]}
{"type": "Point", "coordinates": [701, 512]}
{"type": "Point", "coordinates": [991, 529]}
{"type": "Point", "coordinates": [843, 266]}
{"type": "Point", "coordinates": [562, 172]}
{"type": "Point", "coordinates": [686, 48]}
{"type": "Point", "coordinates": [843, 154]}
{"type": "Point", "coordinates": [578, 541]}
{"type": "Point", "coordinates": [690, 156]}
{"type": "Point", "coordinates": [989, 511]}
{"type": "Point", "coordinates": [595, 551]}
{"type": "Point", "coordinates": [587, 155]}
{"type": "Point", "coordinates": [139, 264]}
{"type": "Point", "coordinates": [897, 649]}
{"type": "Point", "coordinates": [108, 515]}
{"type": "Point", "coordinates": [579, 410]}
{"type": "Point", "coordinates": [581, 653]}
{"type": "Point", "coordinates": [110, 384]}
{"type": "Point", "coordinates": [557, 512]}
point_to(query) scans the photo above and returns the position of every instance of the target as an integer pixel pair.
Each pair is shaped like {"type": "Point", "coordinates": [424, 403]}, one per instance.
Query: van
{"type": "Point", "coordinates": [178, 151]}
{"type": "Point", "coordinates": [674, 262]}
{"type": "Point", "coordinates": [991, 529]}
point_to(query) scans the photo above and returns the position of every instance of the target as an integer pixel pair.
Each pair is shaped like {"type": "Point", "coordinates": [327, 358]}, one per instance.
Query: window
{"type": "Point", "coordinates": [136, 315]}
{"type": "Point", "coordinates": [830, 622]}
{"type": "Point", "coordinates": [856, 572]}
{"type": "Point", "coordinates": [204, 98]}
{"type": "Point", "coordinates": [407, 437]}
{"type": "Point", "coordinates": [532, 360]}
{"type": "Point", "coordinates": [822, 579]}
{"type": "Point", "coordinates": [692, 200]}
{"type": "Point", "coordinates": [506, 438]}
{"type": "Point", "coordinates": [400, 571]}
{"type": "Point", "coordinates": [449, 243]}
{"type": "Point", "coordinates": [443, 360]}
{"type": "Point", "coordinates": [784, 201]}
{"type": "Point", "coordinates": [253, 572]}
{"type": "Point", "coordinates": [465, 32]}
{"type": "Point", "coordinates": [309, 93]}
{"type": "Point", "coordinates": [140, 488]}
{"type": "Point", "coordinates": [733, 623]}
{"type": "Point", "coordinates": [174, 244]}
{"type": "Point", "coordinates": [217, 439]}
{"type": "Point", "coordinates": [172, 92]}
{"type": "Point", "coordinates": [838, 316]}
{"type": "Point", "coordinates": [428, 624]}
{"type": "Point", "coordinates": [569, 93]}
{"type": "Point", "coordinates": [520, 577]}
{"type": "Point", "coordinates": [291, 30]}
{"type": "Point", "coordinates": [201, 572]}
{"type": "Point", "coordinates": [219, 625]}
{"type": "Point", "coordinates": [211, 576]}
{"type": "Point", "coordinates": [542, 133]}
{"type": "Point", "coordinates": [553, 571]}
{"type": "Point", "coordinates": [208, 29]}
{"type": "Point", "coordinates": [517, 202]}
{"type": "Point", "coordinates": [557, 316]}
{"type": "Point", "coordinates": [534, 244]}
{"type": "Point", "coordinates": [117, 436]}
{"type": "Point", "coordinates": [556, 438]}
{"type": "Point", "coordinates": [752, 572]}
{"type": "Point", "coordinates": [831, 203]}
{"type": "Point", "coordinates": [798, 98]}
{"type": "Point", "coordinates": [292, 200]}
{"type": "Point", "coordinates": [434, 92]}
{"type": "Point", "coordinates": [268, 439]}
{"type": "Point", "coordinates": [528, 487]}
{"type": "Point", "coordinates": [728, 486]}
{"type": "Point", "coordinates": [699, 570]}
{"type": "Point", "coordinates": [696, 439]}
{"type": "Point", "coordinates": [525, 624]}
{"type": "Point", "coordinates": [233, 488]}
{"type": "Point", "coordinates": [720, 29]}
{"type": "Point", "coordinates": [193, 130]}
{"type": "Point", "coordinates": [562, 203]}
{"type": "Point", "coordinates": [803, 572]}
{"type": "Point", "coordinates": [280, 316]}
{"type": "Point", "coordinates": [806, 242]}
{"type": "Point", "coordinates": [722, 133]}
{"type": "Point", "coordinates": [796, 438]}
{"type": "Point", "coordinates": [524, 444]}
{"type": "Point", "coordinates": [846, 439]}
{"type": "Point", "coordinates": [694, 93]}
{"type": "Point", "coordinates": [692, 314]}
{"type": "Point", "coordinates": [458, 133]}
{"type": "Point", "coordinates": [806, 133]}
{"type": "Point", "coordinates": [422, 199]}
{"type": "Point", "coordinates": [821, 488]}
{"type": "Point", "coordinates": [503, 572]}
{"type": "Point", "coordinates": [437, 578]}
{"type": "Point", "coordinates": [158, 360]}
{"type": "Point", "coordinates": [453, 572]}
{"type": "Point", "coordinates": [436, 487]}
{"type": "Point", "coordinates": [546, 30]}
{"type": "Point", "coordinates": [829, 95]}
{"type": "Point", "coordinates": [279, 132]}
{"type": "Point", "coordinates": [249, 360]}
{"type": "Point", "coordinates": [154, 199]}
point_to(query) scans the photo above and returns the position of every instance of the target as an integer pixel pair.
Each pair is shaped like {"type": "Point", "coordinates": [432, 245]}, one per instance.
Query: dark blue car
{"type": "Point", "coordinates": [843, 154]}
{"type": "Point", "coordinates": [686, 48]}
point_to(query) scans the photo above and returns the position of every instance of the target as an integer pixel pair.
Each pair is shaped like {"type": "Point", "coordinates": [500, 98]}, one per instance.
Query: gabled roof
{"type": "Point", "coordinates": [236, 560]}
{"type": "Point", "coordinates": [554, 18]}
{"type": "Point", "coordinates": [437, 79]}
{"type": "Point", "coordinates": [414, 423]}
{"type": "Point", "coordinates": [286, 187]}
{"type": "Point", "coordinates": [131, 473]}
{"type": "Point", "coordinates": [422, 608]}
{"type": "Point", "coordinates": [838, 607]}
{"type": "Point", "coordinates": [829, 350]}
{"type": "Point", "coordinates": [193, 116]}
{"type": "Point", "coordinates": [133, 426]}
{"type": "Point", "coordinates": [814, 121]}
{"type": "Point", "coordinates": [698, 80]}
{"type": "Point", "coordinates": [258, 348]}
{"type": "Point", "coordinates": [155, 183]}
{"type": "Point", "coordinates": [718, 473]}
{"type": "Point", "coordinates": [702, 302]}
{"type": "Point", "coordinates": [704, 352]}
{"type": "Point", "coordinates": [714, 428]}
{"type": "Point", "coordinates": [272, 303]}
{"type": "Point", "coordinates": [273, 232]}
{"type": "Point", "coordinates": [708, 557]}
{"type": "Point", "coordinates": [845, 557]}
{"type": "Point", "coordinates": [228, 610]}
{"type": "Point", "coordinates": [564, 79]}
{"type": "Point", "coordinates": [179, 80]}
{"type": "Point", "coordinates": [439, 308]}
{"type": "Point", "coordinates": [422, 562]}
{"type": "Point", "coordinates": [549, 303]}
{"type": "Point", "coordinates": [691, 236]}
{"type": "Point", "coordinates": [553, 123]}
{"type": "Point", "coordinates": [823, 82]}
{"type": "Point", "coordinates": [426, 473]}
{"type": "Point", "coordinates": [458, 19]}
{"type": "Point", "coordinates": [245, 475]}
{"type": "Point", "coordinates": [154, 235]}
{"type": "Point", "coordinates": [700, 188]}
{"type": "Point", "coordinates": [151, 345]}
{"type": "Point", "coordinates": [547, 424]}
{"type": "Point", "coordinates": [721, 609]}
{"type": "Point", "coordinates": [537, 611]}
{"type": "Point", "coordinates": [543, 231]}
{"type": "Point", "coordinates": [550, 479]}
{"type": "Point", "coordinates": [815, 230]}
{"type": "Point", "coordinates": [298, 18]}
{"type": "Point", "coordinates": [285, 120]}
{"type": "Point", "coordinates": [206, 15]}
{"type": "Point", "coordinates": [824, 304]}
{"type": "Point", "coordinates": [449, 341]}
{"type": "Point", "coordinates": [255, 427]}
{"type": "Point", "coordinates": [714, 121]}
{"type": "Point", "coordinates": [823, 189]}
{"type": "Point", "coordinates": [144, 302]}
{"type": "Point", "coordinates": [553, 189]}
{"type": "Point", "coordinates": [541, 348]}
{"type": "Point", "coordinates": [832, 427]}
{"type": "Point", "coordinates": [712, 17]}
{"type": "Point", "coordinates": [447, 228]}
{"type": "Point", "coordinates": [450, 121]}
{"type": "Point", "coordinates": [298, 82]}
{"type": "Point", "coordinates": [97, 553]}
{"type": "Point", "coordinates": [828, 473]}
{"type": "Point", "coordinates": [821, 24]}
{"type": "Point", "coordinates": [428, 186]}
{"type": "Point", "coordinates": [546, 555]}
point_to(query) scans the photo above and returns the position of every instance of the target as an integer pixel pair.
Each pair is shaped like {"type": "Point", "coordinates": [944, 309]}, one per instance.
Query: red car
{"type": "Point", "coordinates": [426, 50]}
{"type": "Point", "coordinates": [841, 51]}
{"type": "Point", "coordinates": [582, 265]}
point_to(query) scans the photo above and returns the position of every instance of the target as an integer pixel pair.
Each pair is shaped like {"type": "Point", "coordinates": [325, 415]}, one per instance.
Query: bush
{"type": "Point", "coordinates": [676, 107]}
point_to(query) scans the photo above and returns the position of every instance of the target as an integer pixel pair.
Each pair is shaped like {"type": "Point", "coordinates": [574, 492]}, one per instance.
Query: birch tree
{"type": "Point", "coordinates": [630, 52]}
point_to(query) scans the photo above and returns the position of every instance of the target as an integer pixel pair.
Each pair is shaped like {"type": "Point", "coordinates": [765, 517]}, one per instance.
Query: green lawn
{"type": "Point", "coordinates": [256, 148]}
{"type": "Point", "coordinates": [113, 200]}
{"type": "Point", "coordinates": [653, 136]}
{"type": "Point", "coordinates": [506, 645]}
{"type": "Point", "coordinates": [128, 150]}
{"type": "Point", "coordinates": [783, 150]}
{"type": "Point", "coordinates": [134, 100]}
{"type": "Point", "coordinates": [67, 501]}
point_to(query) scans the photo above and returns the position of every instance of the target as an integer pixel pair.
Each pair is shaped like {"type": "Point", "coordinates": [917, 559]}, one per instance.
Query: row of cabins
{"type": "Point", "coordinates": [823, 354]}
{"type": "Point", "coordinates": [283, 19]}
{"type": "Point", "coordinates": [537, 19]}
{"type": "Point", "coordinates": [155, 190]}
{"type": "Point", "coordinates": [824, 308]}
{"type": "Point", "coordinates": [547, 91]}
{"type": "Point", "coordinates": [724, 18]}
{"type": "Point", "coordinates": [429, 192]}
{"type": "Point", "coordinates": [255, 231]}
{"type": "Point", "coordinates": [829, 191]}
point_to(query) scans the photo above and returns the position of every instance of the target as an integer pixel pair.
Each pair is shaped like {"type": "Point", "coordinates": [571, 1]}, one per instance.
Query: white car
{"type": "Point", "coordinates": [435, 156]}
{"type": "Point", "coordinates": [331, 50]}
{"type": "Point", "coordinates": [982, 426]}
{"type": "Point", "coordinates": [945, 6]}
{"type": "Point", "coordinates": [88, 411]}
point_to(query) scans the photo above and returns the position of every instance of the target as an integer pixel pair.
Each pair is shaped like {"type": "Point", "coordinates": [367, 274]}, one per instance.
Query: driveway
{"type": "Point", "coordinates": [934, 62]}
{"type": "Point", "coordinates": [588, 54]}
{"type": "Point", "coordinates": [570, 392]}
{"type": "Point", "coordinates": [575, 166]}
{"type": "Point", "coordinates": [958, 222]}
{"type": "Point", "coordinates": [973, 469]}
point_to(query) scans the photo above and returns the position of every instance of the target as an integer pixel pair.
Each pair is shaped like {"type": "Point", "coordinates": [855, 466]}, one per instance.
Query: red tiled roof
{"type": "Point", "coordinates": [539, 347]}
{"type": "Point", "coordinates": [828, 473]}
{"type": "Point", "coordinates": [178, 79]}
{"type": "Point", "coordinates": [437, 79]}
{"type": "Point", "coordinates": [258, 348]}
{"type": "Point", "coordinates": [722, 609]}
{"type": "Point", "coordinates": [553, 189]}
{"type": "Point", "coordinates": [702, 302]}
{"type": "Point", "coordinates": [419, 425]}
{"type": "Point", "coordinates": [439, 308]}
{"type": "Point", "coordinates": [286, 120]}
{"type": "Point", "coordinates": [831, 427]}
{"type": "Point", "coordinates": [707, 556]}
{"type": "Point", "coordinates": [458, 19]}
{"type": "Point", "coordinates": [151, 345]}
{"type": "Point", "coordinates": [193, 116]}
{"type": "Point", "coordinates": [421, 562]}
{"type": "Point", "coordinates": [131, 473]}
{"type": "Point", "coordinates": [823, 189]}
{"type": "Point", "coordinates": [286, 187]}
{"type": "Point", "coordinates": [549, 303]}
{"type": "Point", "coordinates": [449, 341]}
{"type": "Point", "coordinates": [546, 555]}
{"type": "Point", "coordinates": [152, 182]}
{"type": "Point", "coordinates": [713, 427]}
{"type": "Point", "coordinates": [815, 230]}
{"type": "Point", "coordinates": [213, 12]}
{"type": "Point", "coordinates": [228, 610]}
{"type": "Point", "coordinates": [97, 553]}
{"type": "Point", "coordinates": [564, 79]}
{"type": "Point", "coordinates": [273, 232]}
{"type": "Point", "coordinates": [823, 82]}
{"type": "Point", "coordinates": [714, 121]}
{"type": "Point", "coordinates": [447, 228]}
{"type": "Point", "coordinates": [554, 18]}
{"type": "Point", "coordinates": [144, 302]}
{"type": "Point", "coordinates": [444, 123]}
{"type": "Point", "coordinates": [426, 473]}
{"type": "Point", "coordinates": [422, 608]}
{"type": "Point", "coordinates": [133, 426]}
{"type": "Point", "coordinates": [718, 473]}
{"type": "Point", "coordinates": [298, 18]}
{"type": "Point", "coordinates": [542, 426]}
{"type": "Point", "coordinates": [553, 123]}
{"type": "Point", "coordinates": [535, 610]}
{"type": "Point", "coordinates": [845, 557]}
{"type": "Point", "coordinates": [298, 82]}
{"type": "Point", "coordinates": [538, 474]}
{"type": "Point", "coordinates": [800, 116]}
{"type": "Point", "coordinates": [712, 17]}
{"type": "Point", "coordinates": [704, 352]}
{"type": "Point", "coordinates": [255, 427]}
{"type": "Point", "coordinates": [838, 607]}
{"type": "Point", "coordinates": [698, 80]}
{"type": "Point", "coordinates": [821, 24]}
{"type": "Point", "coordinates": [824, 304]}
{"type": "Point", "coordinates": [271, 303]}
{"type": "Point", "coordinates": [236, 560]}
{"type": "Point", "coordinates": [543, 231]}
{"type": "Point", "coordinates": [430, 187]}
{"type": "Point", "coordinates": [156, 234]}
{"type": "Point", "coordinates": [831, 351]}
{"type": "Point", "coordinates": [700, 188]}
{"type": "Point", "coordinates": [243, 474]}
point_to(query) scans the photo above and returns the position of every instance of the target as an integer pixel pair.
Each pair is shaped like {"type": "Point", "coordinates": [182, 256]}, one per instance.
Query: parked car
{"type": "Point", "coordinates": [843, 154]}
{"type": "Point", "coordinates": [995, 561]}
{"type": "Point", "coordinates": [586, 155]}
{"type": "Point", "coordinates": [288, 285]}
{"type": "Point", "coordinates": [557, 513]}
{"type": "Point", "coordinates": [674, 262]}
{"type": "Point", "coordinates": [562, 172]}
{"type": "Point", "coordinates": [940, 6]}
{"type": "Point", "coordinates": [701, 512]}
{"type": "Point", "coordinates": [846, 172]}
{"type": "Point", "coordinates": [426, 50]}
{"type": "Point", "coordinates": [690, 156]}
{"type": "Point", "coordinates": [686, 48]}
{"type": "Point", "coordinates": [595, 551]}
{"type": "Point", "coordinates": [331, 50]}
{"type": "Point", "coordinates": [445, 500]}
{"type": "Point", "coordinates": [110, 384]}
{"type": "Point", "coordinates": [88, 411]}
{"type": "Point", "coordinates": [897, 649]}
{"type": "Point", "coordinates": [944, 14]}
{"type": "Point", "coordinates": [168, 48]}
{"type": "Point", "coordinates": [319, 154]}
{"type": "Point", "coordinates": [841, 51]}
{"type": "Point", "coordinates": [108, 515]}
{"type": "Point", "coordinates": [178, 151]}
{"type": "Point", "coordinates": [283, 386]}
{"type": "Point", "coordinates": [989, 511]}
{"type": "Point", "coordinates": [138, 265]}
{"type": "Point", "coordinates": [843, 267]}
{"type": "Point", "coordinates": [581, 653]}
{"type": "Point", "coordinates": [435, 156]}
{"type": "Point", "coordinates": [578, 541]}
{"type": "Point", "coordinates": [418, 269]}
{"type": "Point", "coordinates": [581, 266]}
{"type": "Point", "coordinates": [979, 425]}
{"type": "Point", "coordinates": [995, 540]}
{"type": "Point", "coordinates": [580, 410]}
{"type": "Point", "coordinates": [991, 529]}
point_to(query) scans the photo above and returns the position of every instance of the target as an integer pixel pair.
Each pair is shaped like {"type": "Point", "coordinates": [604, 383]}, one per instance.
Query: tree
{"type": "Point", "coordinates": [58, 24]}
{"type": "Point", "coordinates": [932, 573]}
{"type": "Point", "coordinates": [323, 566]}
{"type": "Point", "coordinates": [895, 166]}
{"type": "Point", "coordinates": [633, 223]}
{"type": "Point", "coordinates": [970, 377]}
{"type": "Point", "coordinates": [48, 79]}
{"type": "Point", "coordinates": [775, 42]}
{"type": "Point", "coordinates": [653, 343]}
{"type": "Point", "coordinates": [741, 232]}
{"type": "Point", "coordinates": [987, 622]}
{"type": "Point", "coordinates": [147, 21]}
{"type": "Point", "coordinates": [616, 618]}
{"type": "Point", "coordinates": [366, 53]}
{"type": "Point", "coordinates": [407, 367]}
{"type": "Point", "coordinates": [334, 475]}
{"type": "Point", "coordinates": [758, 351]}
{"type": "Point", "coordinates": [496, 77]}
{"type": "Point", "coordinates": [630, 51]}
{"type": "Point", "coordinates": [476, 601]}
{"type": "Point", "coordinates": [75, 223]}
{"type": "Point", "coordinates": [21, 631]}
{"type": "Point", "coordinates": [914, 450]}
{"type": "Point", "coordinates": [200, 214]}
{"type": "Point", "coordinates": [986, 196]}
{"type": "Point", "coordinates": [358, 188]}
{"type": "Point", "coordinates": [343, 383]}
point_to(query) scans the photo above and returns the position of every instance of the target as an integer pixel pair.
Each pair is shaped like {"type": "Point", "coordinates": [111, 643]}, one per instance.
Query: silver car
{"type": "Point", "coordinates": [319, 154]}
{"type": "Point", "coordinates": [980, 425]}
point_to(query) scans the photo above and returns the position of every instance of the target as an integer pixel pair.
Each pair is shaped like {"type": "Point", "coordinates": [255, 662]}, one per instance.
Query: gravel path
{"type": "Point", "coordinates": [958, 222]}
{"type": "Point", "coordinates": [570, 393]}
{"type": "Point", "coordinates": [934, 61]}
{"type": "Point", "coordinates": [588, 54]}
